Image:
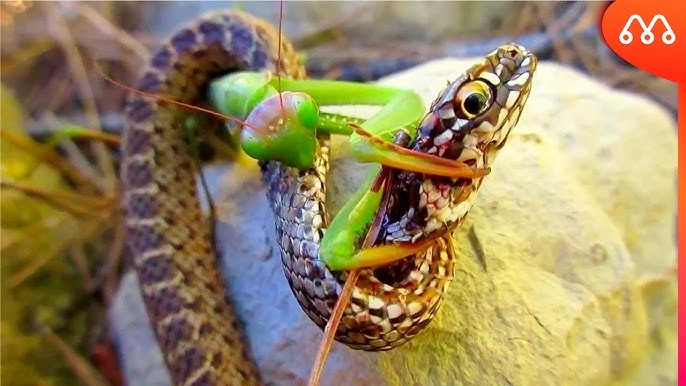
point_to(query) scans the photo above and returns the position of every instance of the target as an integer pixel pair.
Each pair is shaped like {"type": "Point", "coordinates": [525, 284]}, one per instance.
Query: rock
{"type": "Point", "coordinates": [141, 356]}
{"type": "Point", "coordinates": [566, 271]}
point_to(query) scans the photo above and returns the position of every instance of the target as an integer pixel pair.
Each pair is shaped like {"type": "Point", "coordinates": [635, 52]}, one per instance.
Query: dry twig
{"type": "Point", "coordinates": [66, 41]}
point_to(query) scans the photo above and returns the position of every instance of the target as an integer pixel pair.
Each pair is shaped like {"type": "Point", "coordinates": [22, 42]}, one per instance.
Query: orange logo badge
{"type": "Point", "coordinates": [648, 34]}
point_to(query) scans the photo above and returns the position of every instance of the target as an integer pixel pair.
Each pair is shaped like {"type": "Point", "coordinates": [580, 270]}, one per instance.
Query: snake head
{"type": "Point", "coordinates": [467, 124]}
{"type": "Point", "coordinates": [478, 110]}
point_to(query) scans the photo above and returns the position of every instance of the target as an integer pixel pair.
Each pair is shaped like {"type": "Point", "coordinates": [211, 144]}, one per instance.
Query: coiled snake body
{"type": "Point", "coordinates": [184, 296]}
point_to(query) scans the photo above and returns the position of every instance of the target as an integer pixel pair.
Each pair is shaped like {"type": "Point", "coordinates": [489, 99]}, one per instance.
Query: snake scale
{"type": "Point", "coordinates": [192, 317]}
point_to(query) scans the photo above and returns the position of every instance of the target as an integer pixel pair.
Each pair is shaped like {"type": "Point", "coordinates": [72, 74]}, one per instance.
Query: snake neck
{"type": "Point", "coordinates": [184, 295]}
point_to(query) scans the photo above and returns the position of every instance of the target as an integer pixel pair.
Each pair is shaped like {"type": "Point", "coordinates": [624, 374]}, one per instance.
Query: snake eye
{"type": "Point", "coordinates": [473, 99]}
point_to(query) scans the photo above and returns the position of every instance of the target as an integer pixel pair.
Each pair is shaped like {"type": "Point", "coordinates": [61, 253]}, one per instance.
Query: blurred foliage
{"type": "Point", "coordinates": [39, 285]}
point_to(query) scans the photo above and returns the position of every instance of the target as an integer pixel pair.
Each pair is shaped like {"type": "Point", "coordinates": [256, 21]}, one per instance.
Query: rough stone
{"type": "Point", "coordinates": [567, 270]}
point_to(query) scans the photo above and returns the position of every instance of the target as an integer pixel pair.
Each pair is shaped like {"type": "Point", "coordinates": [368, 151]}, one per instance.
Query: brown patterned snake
{"type": "Point", "coordinates": [184, 296]}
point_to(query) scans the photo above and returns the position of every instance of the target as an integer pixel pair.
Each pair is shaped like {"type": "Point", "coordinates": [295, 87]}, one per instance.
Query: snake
{"type": "Point", "coordinates": [190, 312]}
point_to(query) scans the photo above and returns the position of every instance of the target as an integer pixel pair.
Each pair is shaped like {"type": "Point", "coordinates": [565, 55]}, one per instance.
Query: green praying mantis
{"type": "Point", "coordinates": [281, 118]}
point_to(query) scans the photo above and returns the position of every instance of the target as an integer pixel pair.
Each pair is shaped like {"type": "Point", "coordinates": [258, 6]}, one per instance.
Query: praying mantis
{"type": "Point", "coordinates": [281, 125]}
{"type": "Point", "coordinates": [429, 169]}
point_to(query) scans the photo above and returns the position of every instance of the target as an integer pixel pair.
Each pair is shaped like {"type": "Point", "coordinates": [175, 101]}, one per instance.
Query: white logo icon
{"type": "Point", "coordinates": [647, 36]}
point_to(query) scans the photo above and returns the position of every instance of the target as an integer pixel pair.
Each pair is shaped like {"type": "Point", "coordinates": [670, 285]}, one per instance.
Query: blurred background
{"type": "Point", "coordinates": [62, 241]}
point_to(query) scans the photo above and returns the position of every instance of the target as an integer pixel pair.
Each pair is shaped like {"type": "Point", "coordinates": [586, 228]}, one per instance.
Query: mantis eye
{"type": "Point", "coordinates": [473, 99]}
